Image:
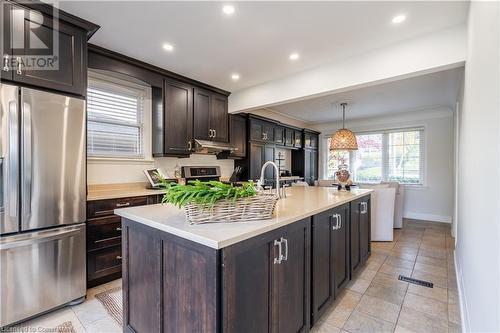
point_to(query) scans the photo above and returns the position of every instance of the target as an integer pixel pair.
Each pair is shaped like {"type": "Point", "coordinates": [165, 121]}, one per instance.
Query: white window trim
{"type": "Point", "coordinates": [422, 127]}
{"type": "Point", "coordinates": [98, 78]}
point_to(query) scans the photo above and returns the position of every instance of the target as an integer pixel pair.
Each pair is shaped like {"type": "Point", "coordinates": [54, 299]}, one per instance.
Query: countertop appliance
{"type": "Point", "coordinates": [42, 202]}
{"type": "Point", "coordinates": [203, 173]}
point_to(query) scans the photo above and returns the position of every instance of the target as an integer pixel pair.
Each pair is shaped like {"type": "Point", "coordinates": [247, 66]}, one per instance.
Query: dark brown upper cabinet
{"type": "Point", "coordinates": [43, 51]}
{"type": "Point", "coordinates": [210, 116]}
{"type": "Point", "coordinates": [219, 118]}
{"type": "Point", "coordinates": [289, 137]}
{"type": "Point", "coordinates": [178, 117]}
{"type": "Point", "coordinates": [310, 140]}
{"type": "Point", "coordinates": [238, 135]}
{"type": "Point", "coordinates": [297, 139]}
{"type": "Point", "coordinates": [279, 135]}
{"type": "Point", "coordinates": [261, 130]}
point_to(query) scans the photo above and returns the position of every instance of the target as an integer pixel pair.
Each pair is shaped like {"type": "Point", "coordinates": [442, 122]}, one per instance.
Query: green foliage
{"type": "Point", "coordinates": [205, 194]}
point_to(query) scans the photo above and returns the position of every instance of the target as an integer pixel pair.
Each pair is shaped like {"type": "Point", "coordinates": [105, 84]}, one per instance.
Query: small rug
{"type": "Point", "coordinates": [65, 327]}
{"type": "Point", "coordinates": [113, 303]}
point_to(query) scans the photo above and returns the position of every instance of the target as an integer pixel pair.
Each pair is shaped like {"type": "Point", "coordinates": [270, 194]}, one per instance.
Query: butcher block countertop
{"type": "Point", "coordinates": [301, 202]}
{"type": "Point", "coordinates": [116, 191]}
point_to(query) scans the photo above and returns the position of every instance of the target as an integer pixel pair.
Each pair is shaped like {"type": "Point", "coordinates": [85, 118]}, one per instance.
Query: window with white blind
{"type": "Point", "coordinates": [391, 155]}
{"type": "Point", "coordinates": [115, 119]}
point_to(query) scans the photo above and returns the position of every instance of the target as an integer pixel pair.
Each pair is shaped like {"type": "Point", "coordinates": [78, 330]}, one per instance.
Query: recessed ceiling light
{"type": "Point", "coordinates": [294, 56]}
{"type": "Point", "coordinates": [235, 76]}
{"type": "Point", "coordinates": [398, 19]}
{"type": "Point", "coordinates": [168, 47]}
{"type": "Point", "coordinates": [228, 9]}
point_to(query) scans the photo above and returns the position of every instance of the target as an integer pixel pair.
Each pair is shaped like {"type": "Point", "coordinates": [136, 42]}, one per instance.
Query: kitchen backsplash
{"type": "Point", "coordinates": [111, 172]}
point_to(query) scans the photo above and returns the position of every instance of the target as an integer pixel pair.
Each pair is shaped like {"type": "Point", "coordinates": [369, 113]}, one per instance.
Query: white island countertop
{"type": "Point", "coordinates": [301, 202]}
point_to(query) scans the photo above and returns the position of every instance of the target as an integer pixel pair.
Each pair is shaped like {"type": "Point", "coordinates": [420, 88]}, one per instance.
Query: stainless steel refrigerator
{"type": "Point", "coordinates": [42, 202]}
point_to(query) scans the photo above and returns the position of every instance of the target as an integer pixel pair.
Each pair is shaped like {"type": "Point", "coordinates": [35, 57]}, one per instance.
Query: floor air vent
{"type": "Point", "coordinates": [416, 281]}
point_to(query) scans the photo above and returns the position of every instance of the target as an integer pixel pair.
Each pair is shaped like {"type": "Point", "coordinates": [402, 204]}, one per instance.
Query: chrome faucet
{"type": "Point", "coordinates": [261, 180]}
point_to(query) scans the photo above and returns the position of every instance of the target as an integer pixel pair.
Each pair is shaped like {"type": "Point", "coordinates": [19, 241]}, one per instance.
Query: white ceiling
{"type": "Point", "coordinates": [413, 94]}
{"type": "Point", "coordinates": [257, 40]}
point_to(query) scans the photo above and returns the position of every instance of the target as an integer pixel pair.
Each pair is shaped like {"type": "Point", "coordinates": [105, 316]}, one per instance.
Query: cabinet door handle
{"type": "Point", "coordinates": [5, 62]}
{"type": "Point", "coordinates": [340, 221]}
{"type": "Point", "coordinates": [336, 226]}
{"type": "Point", "coordinates": [19, 66]}
{"type": "Point", "coordinates": [125, 204]}
{"type": "Point", "coordinates": [365, 208]}
{"type": "Point", "coordinates": [285, 257]}
{"type": "Point", "coordinates": [119, 257]}
{"type": "Point", "coordinates": [210, 133]}
{"type": "Point", "coordinates": [190, 145]}
{"type": "Point", "coordinates": [119, 229]}
{"type": "Point", "coordinates": [280, 255]}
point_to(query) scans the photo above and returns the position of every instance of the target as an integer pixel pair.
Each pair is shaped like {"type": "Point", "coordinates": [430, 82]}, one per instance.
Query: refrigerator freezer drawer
{"type": "Point", "coordinates": [40, 271]}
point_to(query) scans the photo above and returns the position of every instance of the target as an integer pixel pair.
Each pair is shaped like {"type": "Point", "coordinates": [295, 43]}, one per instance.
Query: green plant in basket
{"type": "Point", "coordinates": [205, 194]}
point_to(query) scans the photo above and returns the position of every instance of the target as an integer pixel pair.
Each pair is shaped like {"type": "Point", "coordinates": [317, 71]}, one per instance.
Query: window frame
{"type": "Point", "coordinates": [385, 153]}
{"type": "Point", "coordinates": [112, 81]}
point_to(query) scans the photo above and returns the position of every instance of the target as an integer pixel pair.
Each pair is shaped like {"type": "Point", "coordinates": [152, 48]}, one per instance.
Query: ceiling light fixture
{"type": "Point", "coordinates": [294, 56]}
{"type": "Point", "coordinates": [235, 77]}
{"type": "Point", "coordinates": [228, 9]}
{"type": "Point", "coordinates": [168, 47]}
{"type": "Point", "coordinates": [343, 139]}
{"type": "Point", "coordinates": [398, 19]}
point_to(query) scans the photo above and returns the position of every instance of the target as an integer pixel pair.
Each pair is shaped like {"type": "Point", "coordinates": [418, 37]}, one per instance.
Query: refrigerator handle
{"type": "Point", "coordinates": [46, 237]}
{"type": "Point", "coordinates": [13, 159]}
{"type": "Point", "coordinates": [27, 167]}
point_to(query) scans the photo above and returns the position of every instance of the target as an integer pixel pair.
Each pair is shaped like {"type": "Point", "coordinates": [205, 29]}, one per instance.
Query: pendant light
{"type": "Point", "coordinates": [343, 139]}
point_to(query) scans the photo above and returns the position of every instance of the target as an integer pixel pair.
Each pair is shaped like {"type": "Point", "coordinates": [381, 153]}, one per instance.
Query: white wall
{"type": "Point", "coordinates": [278, 116]}
{"type": "Point", "coordinates": [438, 51]}
{"type": "Point", "coordinates": [477, 252]}
{"type": "Point", "coordinates": [111, 172]}
{"type": "Point", "coordinates": [434, 201]}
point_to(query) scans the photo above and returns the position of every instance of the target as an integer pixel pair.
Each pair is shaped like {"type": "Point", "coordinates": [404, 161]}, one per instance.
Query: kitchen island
{"type": "Point", "coordinates": [272, 275]}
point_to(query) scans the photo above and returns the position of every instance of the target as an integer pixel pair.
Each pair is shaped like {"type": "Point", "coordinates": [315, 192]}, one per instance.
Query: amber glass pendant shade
{"type": "Point", "coordinates": [343, 139]}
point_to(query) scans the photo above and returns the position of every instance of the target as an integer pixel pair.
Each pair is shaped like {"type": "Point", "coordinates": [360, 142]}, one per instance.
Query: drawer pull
{"type": "Point", "coordinates": [103, 212]}
{"type": "Point", "coordinates": [125, 204]}
{"type": "Point", "coordinates": [119, 257]}
{"type": "Point", "coordinates": [107, 239]}
{"type": "Point", "coordinates": [119, 229]}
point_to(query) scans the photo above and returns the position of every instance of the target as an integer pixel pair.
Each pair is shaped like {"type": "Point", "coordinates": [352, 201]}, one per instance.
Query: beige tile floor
{"type": "Point", "coordinates": [89, 316]}
{"type": "Point", "coordinates": [376, 301]}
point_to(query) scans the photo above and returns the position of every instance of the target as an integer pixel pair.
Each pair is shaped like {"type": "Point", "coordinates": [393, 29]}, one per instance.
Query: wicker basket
{"type": "Point", "coordinates": [257, 207]}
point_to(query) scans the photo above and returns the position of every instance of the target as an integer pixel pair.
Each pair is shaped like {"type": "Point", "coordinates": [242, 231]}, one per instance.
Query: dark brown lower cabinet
{"type": "Point", "coordinates": [330, 257]}
{"type": "Point", "coordinates": [281, 281]}
{"type": "Point", "coordinates": [104, 237]}
{"type": "Point", "coordinates": [265, 282]}
{"type": "Point", "coordinates": [360, 233]}
{"type": "Point", "coordinates": [175, 285]}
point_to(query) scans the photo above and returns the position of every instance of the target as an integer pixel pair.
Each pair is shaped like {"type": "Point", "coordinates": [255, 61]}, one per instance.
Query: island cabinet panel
{"type": "Point", "coordinates": [169, 284]}
{"type": "Point", "coordinates": [266, 282]}
{"type": "Point", "coordinates": [360, 234]}
{"type": "Point", "coordinates": [330, 257]}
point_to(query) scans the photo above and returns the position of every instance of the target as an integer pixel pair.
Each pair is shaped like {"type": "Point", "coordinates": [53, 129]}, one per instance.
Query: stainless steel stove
{"type": "Point", "coordinates": [203, 173]}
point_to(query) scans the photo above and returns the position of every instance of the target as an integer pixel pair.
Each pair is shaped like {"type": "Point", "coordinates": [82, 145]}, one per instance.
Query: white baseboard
{"type": "Point", "coordinates": [464, 312]}
{"type": "Point", "coordinates": [428, 217]}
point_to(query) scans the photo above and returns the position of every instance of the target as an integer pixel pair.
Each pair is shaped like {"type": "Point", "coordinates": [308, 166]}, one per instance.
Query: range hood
{"type": "Point", "coordinates": [212, 147]}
